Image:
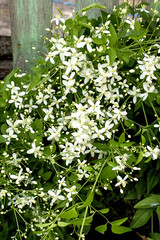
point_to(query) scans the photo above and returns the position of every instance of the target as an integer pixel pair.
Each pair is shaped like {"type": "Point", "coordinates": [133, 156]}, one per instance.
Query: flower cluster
{"type": "Point", "coordinates": [72, 128]}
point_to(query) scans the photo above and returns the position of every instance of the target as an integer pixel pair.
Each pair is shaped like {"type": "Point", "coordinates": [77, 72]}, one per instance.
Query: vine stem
{"type": "Point", "coordinates": [81, 231]}
{"type": "Point", "coordinates": [152, 224]}
{"type": "Point", "coordinates": [93, 188]}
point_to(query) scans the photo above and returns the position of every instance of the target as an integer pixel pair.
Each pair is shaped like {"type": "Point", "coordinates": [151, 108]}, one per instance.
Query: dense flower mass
{"type": "Point", "coordinates": [80, 123]}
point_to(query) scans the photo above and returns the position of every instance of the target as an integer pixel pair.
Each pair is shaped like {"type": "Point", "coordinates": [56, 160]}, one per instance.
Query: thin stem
{"type": "Point", "coordinates": [152, 224]}
{"type": "Point", "coordinates": [81, 231]}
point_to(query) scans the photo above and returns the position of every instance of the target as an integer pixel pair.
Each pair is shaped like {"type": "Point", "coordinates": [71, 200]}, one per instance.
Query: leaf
{"type": "Point", "coordinates": [43, 225]}
{"type": "Point", "coordinates": [113, 38]}
{"type": "Point", "coordinates": [38, 125]}
{"type": "Point", "coordinates": [100, 146]}
{"type": "Point", "coordinates": [105, 210]}
{"type": "Point", "coordinates": [89, 200]}
{"type": "Point", "coordinates": [4, 128]}
{"type": "Point", "coordinates": [79, 221]}
{"type": "Point", "coordinates": [47, 175]}
{"type": "Point", "coordinates": [158, 213]}
{"type": "Point", "coordinates": [140, 188]}
{"type": "Point", "coordinates": [2, 139]}
{"type": "Point", "coordinates": [119, 221]}
{"type": "Point", "coordinates": [140, 157]}
{"type": "Point", "coordinates": [63, 224]}
{"type": "Point", "coordinates": [141, 217]}
{"type": "Point", "coordinates": [100, 41]}
{"type": "Point", "coordinates": [101, 228]}
{"type": "Point", "coordinates": [7, 79]}
{"type": "Point", "coordinates": [120, 229]}
{"type": "Point", "coordinates": [3, 103]}
{"type": "Point", "coordinates": [107, 174]}
{"type": "Point", "coordinates": [149, 202]}
{"type": "Point", "coordinates": [69, 214]}
{"type": "Point", "coordinates": [36, 81]}
{"type": "Point", "coordinates": [122, 138]}
{"type": "Point", "coordinates": [158, 99]}
{"type": "Point", "coordinates": [155, 236]}
{"type": "Point", "coordinates": [152, 180]}
{"type": "Point", "coordinates": [69, 23]}
{"type": "Point", "coordinates": [112, 55]}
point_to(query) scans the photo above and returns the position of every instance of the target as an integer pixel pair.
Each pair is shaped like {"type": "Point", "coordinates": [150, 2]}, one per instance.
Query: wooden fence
{"type": "Point", "coordinates": [29, 19]}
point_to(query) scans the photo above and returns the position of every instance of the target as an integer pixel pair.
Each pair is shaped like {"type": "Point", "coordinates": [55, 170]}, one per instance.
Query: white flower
{"type": "Point", "coordinates": [58, 19]}
{"type": "Point", "coordinates": [135, 93]}
{"type": "Point", "coordinates": [56, 196]}
{"type": "Point", "coordinates": [14, 89]}
{"type": "Point", "coordinates": [34, 150]}
{"type": "Point", "coordinates": [62, 182]}
{"type": "Point", "coordinates": [122, 181]}
{"type": "Point", "coordinates": [62, 51]}
{"type": "Point", "coordinates": [50, 56]}
{"type": "Point", "coordinates": [9, 136]}
{"type": "Point", "coordinates": [48, 113]}
{"type": "Point", "coordinates": [71, 191]}
{"type": "Point", "coordinates": [30, 106]}
{"type": "Point", "coordinates": [152, 152]}
{"type": "Point", "coordinates": [157, 126]}
{"type": "Point", "coordinates": [18, 178]}
{"type": "Point", "coordinates": [55, 133]}
{"type": "Point", "coordinates": [131, 23]}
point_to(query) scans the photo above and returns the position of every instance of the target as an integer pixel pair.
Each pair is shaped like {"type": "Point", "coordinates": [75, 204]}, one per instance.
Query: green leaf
{"type": "Point", "coordinates": [4, 128]}
{"type": "Point", "coordinates": [69, 214]}
{"type": "Point", "coordinates": [38, 125]}
{"type": "Point", "coordinates": [47, 175]}
{"type": "Point", "coordinates": [158, 99]}
{"type": "Point", "coordinates": [152, 180]}
{"type": "Point", "coordinates": [113, 38]}
{"type": "Point", "coordinates": [36, 81]}
{"type": "Point", "coordinates": [69, 23]}
{"type": "Point", "coordinates": [100, 146]}
{"type": "Point", "coordinates": [122, 138]}
{"type": "Point", "coordinates": [43, 225]}
{"type": "Point", "coordinates": [101, 228]}
{"type": "Point", "coordinates": [140, 157]}
{"type": "Point", "coordinates": [7, 79]}
{"type": "Point", "coordinates": [141, 217]}
{"type": "Point", "coordinates": [149, 202]}
{"type": "Point", "coordinates": [112, 55]}
{"type": "Point", "coordinates": [89, 200]}
{"type": "Point", "coordinates": [3, 103]}
{"type": "Point", "coordinates": [63, 224]}
{"type": "Point", "coordinates": [107, 174]}
{"type": "Point", "coordinates": [100, 41]}
{"type": "Point", "coordinates": [155, 236]}
{"type": "Point", "coordinates": [2, 139]}
{"type": "Point", "coordinates": [137, 26]}
{"type": "Point", "coordinates": [79, 221]}
{"type": "Point", "coordinates": [119, 221]}
{"type": "Point", "coordinates": [120, 229]}
{"type": "Point", "coordinates": [140, 188]}
{"type": "Point", "coordinates": [105, 210]}
{"type": "Point", "coordinates": [158, 213]}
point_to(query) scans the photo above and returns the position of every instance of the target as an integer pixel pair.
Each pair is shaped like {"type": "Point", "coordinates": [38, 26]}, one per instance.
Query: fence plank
{"type": "Point", "coordinates": [29, 19]}
{"type": "Point", "coordinates": [94, 13]}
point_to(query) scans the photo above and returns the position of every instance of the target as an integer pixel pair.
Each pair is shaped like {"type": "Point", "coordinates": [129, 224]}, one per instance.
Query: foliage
{"type": "Point", "coordinates": [83, 123]}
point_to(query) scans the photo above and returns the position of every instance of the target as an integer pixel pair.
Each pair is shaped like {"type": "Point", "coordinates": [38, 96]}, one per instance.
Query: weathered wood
{"type": "Point", "coordinates": [6, 65]}
{"type": "Point", "coordinates": [5, 46]}
{"type": "Point", "coordinates": [94, 13]}
{"type": "Point", "coordinates": [29, 19]}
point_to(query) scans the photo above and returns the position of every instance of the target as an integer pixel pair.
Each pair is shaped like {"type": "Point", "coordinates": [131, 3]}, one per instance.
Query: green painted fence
{"type": "Point", "coordinates": [29, 19]}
